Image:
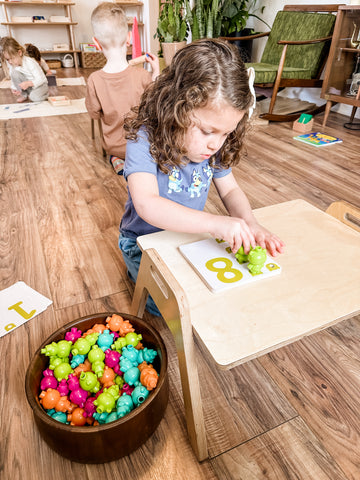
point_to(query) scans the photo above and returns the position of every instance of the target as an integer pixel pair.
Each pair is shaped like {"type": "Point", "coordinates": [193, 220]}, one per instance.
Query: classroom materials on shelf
{"type": "Point", "coordinates": [88, 47]}
{"type": "Point", "coordinates": [59, 101]}
{"type": "Point", "coordinates": [58, 47]}
{"type": "Point", "coordinates": [220, 269]}
{"type": "Point", "coordinates": [318, 139]}
{"type": "Point", "coordinates": [304, 124]}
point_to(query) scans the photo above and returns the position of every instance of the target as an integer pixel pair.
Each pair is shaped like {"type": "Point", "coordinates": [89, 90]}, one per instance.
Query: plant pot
{"type": "Point", "coordinates": [169, 50]}
{"type": "Point", "coordinates": [244, 46]}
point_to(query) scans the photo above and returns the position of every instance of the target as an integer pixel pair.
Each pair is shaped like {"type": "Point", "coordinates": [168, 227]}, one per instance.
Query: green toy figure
{"type": "Point", "coordinates": [256, 259]}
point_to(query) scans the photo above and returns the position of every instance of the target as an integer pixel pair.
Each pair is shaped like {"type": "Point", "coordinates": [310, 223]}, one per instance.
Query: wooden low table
{"type": "Point", "coordinates": [319, 285]}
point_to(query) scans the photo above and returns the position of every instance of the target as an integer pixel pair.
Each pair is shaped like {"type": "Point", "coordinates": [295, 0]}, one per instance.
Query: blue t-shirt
{"type": "Point", "coordinates": [188, 186]}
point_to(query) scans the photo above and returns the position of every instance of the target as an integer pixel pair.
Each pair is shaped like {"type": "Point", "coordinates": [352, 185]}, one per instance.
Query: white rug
{"type": "Point", "coordinates": [60, 82]}
{"type": "Point", "coordinates": [40, 109]}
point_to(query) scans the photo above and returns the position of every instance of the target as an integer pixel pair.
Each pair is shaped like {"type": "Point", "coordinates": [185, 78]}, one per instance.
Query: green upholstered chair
{"type": "Point", "coordinates": [295, 52]}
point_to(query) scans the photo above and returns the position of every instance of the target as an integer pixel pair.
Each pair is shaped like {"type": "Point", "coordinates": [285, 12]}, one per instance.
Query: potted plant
{"type": "Point", "coordinates": [234, 17]}
{"type": "Point", "coordinates": [204, 18]}
{"type": "Point", "coordinates": [172, 29]}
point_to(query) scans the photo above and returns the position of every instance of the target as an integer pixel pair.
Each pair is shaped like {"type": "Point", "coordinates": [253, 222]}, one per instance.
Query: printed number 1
{"type": "Point", "coordinates": [236, 274]}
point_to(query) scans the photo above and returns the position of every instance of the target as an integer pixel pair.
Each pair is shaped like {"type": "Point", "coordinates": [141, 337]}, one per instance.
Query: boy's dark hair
{"type": "Point", "coordinates": [33, 52]}
{"type": "Point", "coordinates": [201, 72]}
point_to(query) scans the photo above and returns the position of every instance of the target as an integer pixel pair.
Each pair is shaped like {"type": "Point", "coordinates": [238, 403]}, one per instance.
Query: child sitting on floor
{"type": "Point", "coordinates": [114, 90]}
{"type": "Point", "coordinates": [33, 52]}
{"type": "Point", "coordinates": [188, 133]}
{"type": "Point", "coordinates": [28, 81]}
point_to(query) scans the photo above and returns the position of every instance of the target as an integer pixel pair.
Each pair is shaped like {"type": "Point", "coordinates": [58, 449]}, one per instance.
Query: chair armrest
{"type": "Point", "coordinates": [248, 37]}
{"type": "Point", "coordinates": [304, 42]}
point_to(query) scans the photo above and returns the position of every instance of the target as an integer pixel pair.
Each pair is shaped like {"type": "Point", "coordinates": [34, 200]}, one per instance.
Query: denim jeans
{"type": "Point", "coordinates": [132, 257]}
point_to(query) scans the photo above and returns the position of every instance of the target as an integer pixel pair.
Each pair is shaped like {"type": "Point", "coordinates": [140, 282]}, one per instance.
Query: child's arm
{"type": "Point", "coordinates": [238, 205]}
{"type": "Point", "coordinates": [155, 65]}
{"type": "Point", "coordinates": [91, 100]}
{"type": "Point", "coordinates": [169, 215]}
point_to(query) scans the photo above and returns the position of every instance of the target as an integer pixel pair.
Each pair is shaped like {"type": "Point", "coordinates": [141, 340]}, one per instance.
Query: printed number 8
{"type": "Point", "coordinates": [236, 274]}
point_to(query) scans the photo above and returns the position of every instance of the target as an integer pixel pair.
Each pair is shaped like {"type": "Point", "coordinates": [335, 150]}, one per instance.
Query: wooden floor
{"type": "Point", "coordinates": [292, 414]}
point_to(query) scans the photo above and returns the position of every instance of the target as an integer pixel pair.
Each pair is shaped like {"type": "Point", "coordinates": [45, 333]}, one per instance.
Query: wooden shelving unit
{"type": "Point", "coordinates": [342, 61]}
{"type": "Point", "coordinates": [139, 15]}
{"type": "Point", "coordinates": [11, 26]}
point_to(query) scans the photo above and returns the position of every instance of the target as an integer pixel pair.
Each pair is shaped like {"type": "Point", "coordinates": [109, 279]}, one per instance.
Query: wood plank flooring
{"type": "Point", "coordinates": [291, 414]}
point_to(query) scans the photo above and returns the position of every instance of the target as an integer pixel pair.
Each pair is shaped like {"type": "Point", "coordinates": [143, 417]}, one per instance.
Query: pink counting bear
{"type": "Point", "coordinates": [63, 387]}
{"type": "Point", "coordinates": [89, 407]}
{"type": "Point", "coordinates": [112, 358]}
{"type": "Point", "coordinates": [73, 335]}
{"type": "Point", "coordinates": [48, 380]}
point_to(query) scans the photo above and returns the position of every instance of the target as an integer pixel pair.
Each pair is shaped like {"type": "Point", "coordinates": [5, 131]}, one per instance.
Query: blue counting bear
{"type": "Point", "coordinates": [101, 417]}
{"type": "Point", "coordinates": [76, 360]}
{"type": "Point", "coordinates": [131, 357]}
{"type": "Point", "coordinates": [105, 340]}
{"type": "Point", "coordinates": [124, 405]}
{"type": "Point", "coordinates": [139, 395]}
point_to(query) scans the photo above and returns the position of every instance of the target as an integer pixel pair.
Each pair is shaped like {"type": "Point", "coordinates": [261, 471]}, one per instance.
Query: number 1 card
{"type": "Point", "coordinates": [218, 267]}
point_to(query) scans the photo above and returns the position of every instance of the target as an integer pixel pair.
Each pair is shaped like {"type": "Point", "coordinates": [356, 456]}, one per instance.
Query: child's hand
{"type": "Point", "coordinates": [25, 85]}
{"type": "Point", "coordinates": [154, 62]}
{"type": "Point", "coordinates": [15, 92]}
{"type": "Point", "coordinates": [234, 231]}
{"type": "Point", "coordinates": [267, 240]}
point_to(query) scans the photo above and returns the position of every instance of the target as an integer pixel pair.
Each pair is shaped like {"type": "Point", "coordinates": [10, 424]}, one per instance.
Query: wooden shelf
{"type": "Point", "coordinates": [36, 3]}
{"type": "Point", "coordinates": [341, 61]}
{"type": "Point", "coordinates": [39, 23]}
{"type": "Point", "coordinates": [130, 4]}
{"type": "Point", "coordinates": [69, 26]}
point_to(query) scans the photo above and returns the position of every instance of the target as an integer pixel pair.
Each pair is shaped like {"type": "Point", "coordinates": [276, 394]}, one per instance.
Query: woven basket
{"type": "Point", "coordinates": [92, 59]}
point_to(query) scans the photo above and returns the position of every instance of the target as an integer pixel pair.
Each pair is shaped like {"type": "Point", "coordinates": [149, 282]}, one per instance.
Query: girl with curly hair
{"type": "Point", "coordinates": [186, 133]}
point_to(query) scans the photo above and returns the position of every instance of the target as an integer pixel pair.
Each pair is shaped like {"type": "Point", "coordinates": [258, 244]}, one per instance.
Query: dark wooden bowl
{"type": "Point", "coordinates": [106, 442]}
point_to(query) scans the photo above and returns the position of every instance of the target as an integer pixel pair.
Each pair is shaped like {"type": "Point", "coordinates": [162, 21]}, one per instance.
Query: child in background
{"type": "Point", "coordinates": [34, 52]}
{"type": "Point", "coordinates": [27, 78]}
{"type": "Point", "coordinates": [114, 90]}
{"type": "Point", "coordinates": [187, 133]}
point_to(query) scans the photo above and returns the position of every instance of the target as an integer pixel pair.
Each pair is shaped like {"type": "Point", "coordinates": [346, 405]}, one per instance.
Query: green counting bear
{"type": "Point", "coordinates": [60, 349]}
{"type": "Point", "coordinates": [89, 382]}
{"type": "Point", "coordinates": [256, 258]}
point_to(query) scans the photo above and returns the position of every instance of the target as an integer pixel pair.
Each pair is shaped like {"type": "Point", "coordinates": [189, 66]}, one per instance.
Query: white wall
{"type": "Point", "coordinates": [271, 8]}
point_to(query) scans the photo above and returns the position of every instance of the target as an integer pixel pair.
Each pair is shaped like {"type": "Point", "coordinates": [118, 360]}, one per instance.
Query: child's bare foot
{"type": "Point", "coordinates": [21, 99]}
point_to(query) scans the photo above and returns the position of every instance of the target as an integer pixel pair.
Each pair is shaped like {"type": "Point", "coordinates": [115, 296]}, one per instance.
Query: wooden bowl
{"type": "Point", "coordinates": [105, 442]}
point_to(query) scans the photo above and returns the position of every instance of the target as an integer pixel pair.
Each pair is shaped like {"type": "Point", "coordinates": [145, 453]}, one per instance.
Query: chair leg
{"type": "Point", "coordinates": [92, 129]}
{"type": "Point", "coordinates": [101, 136]}
{"type": "Point", "coordinates": [155, 278]}
{"type": "Point", "coordinates": [278, 79]}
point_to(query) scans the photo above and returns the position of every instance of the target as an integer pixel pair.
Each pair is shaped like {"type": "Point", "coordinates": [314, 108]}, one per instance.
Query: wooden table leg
{"type": "Point", "coordinates": [155, 278]}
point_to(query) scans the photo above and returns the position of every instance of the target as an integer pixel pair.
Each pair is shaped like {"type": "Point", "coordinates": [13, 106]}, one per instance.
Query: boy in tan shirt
{"type": "Point", "coordinates": [114, 90]}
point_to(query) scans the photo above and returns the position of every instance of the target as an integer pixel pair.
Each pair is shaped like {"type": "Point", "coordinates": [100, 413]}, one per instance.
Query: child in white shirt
{"type": "Point", "coordinates": [28, 80]}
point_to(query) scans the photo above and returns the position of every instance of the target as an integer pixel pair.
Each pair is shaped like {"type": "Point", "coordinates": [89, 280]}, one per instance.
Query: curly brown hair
{"type": "Point", "coordinates": [203, 71]}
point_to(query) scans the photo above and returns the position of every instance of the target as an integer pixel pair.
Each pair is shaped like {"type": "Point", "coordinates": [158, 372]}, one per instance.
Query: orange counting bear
{"type": "Point", "coordinates": [77, 417]}
{"type": "Point", "coordinates": [148, 375]}
{"type": "Point", "coordinates": [117, 324]}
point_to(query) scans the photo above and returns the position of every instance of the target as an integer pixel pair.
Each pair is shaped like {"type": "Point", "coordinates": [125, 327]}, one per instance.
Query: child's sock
{"type": "Point", "coordinates": [118, 164]}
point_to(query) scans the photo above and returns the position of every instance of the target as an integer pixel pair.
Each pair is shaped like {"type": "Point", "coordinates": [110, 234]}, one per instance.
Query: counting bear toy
{"type": "Point", "coordinates": [97, 376]}
{"type": "Point", "coordinates": [256, 258]}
